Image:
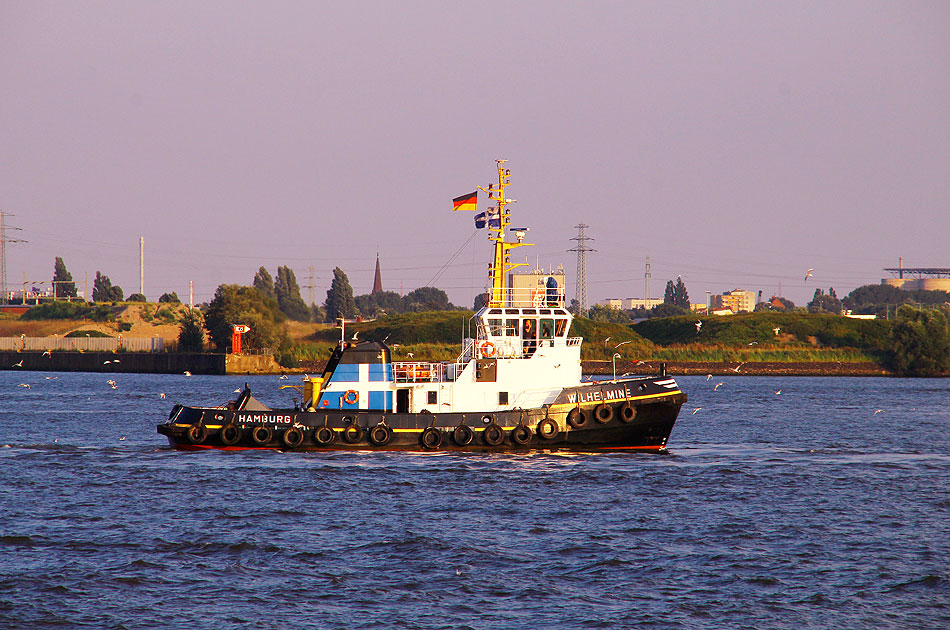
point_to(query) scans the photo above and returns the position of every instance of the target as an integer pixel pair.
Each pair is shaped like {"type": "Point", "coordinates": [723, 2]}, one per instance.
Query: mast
{"type": "Point", "coordinates": [501, 263]}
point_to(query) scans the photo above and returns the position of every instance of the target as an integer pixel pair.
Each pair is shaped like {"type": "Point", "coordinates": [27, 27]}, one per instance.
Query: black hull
{"type": "Point", "coordinates": [633, 425]}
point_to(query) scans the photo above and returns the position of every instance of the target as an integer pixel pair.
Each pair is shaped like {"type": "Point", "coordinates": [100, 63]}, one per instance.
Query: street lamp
{"type": "Point", "coordinates": [707, 302]}
{"type": "Point", "coordinates": [614, 360]}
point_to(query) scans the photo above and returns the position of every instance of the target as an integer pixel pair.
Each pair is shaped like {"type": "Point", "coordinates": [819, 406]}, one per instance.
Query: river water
{"type": "Point", "coordinates": [782, 503]}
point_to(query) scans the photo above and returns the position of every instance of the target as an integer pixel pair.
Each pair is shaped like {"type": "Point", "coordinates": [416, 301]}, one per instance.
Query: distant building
{"type": "Point", "coordinates": [536, 287]}
{"type": "Point", "coordinates": [924, 278]}
{"type": "Point", "coordinates": [736, 301]}
{"type": "Point", "coordinates": [626, 304]}
{"type": "Point", "coordinates": [918, 284]}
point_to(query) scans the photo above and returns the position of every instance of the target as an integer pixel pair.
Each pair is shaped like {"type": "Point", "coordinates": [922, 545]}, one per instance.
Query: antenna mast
{"type": "Point", "coordinates": [646, 280]}
{"type": "Point", "coordinates": [501, 264]}
{"type": "Point", "coordinates": [581, 249]}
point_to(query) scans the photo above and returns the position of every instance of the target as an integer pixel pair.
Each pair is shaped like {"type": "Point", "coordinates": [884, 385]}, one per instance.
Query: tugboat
{"type": "Point", "coordinates": [515, 386]}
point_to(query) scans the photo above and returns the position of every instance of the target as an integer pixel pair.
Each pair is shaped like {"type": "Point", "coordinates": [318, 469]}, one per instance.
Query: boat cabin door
{"type": "Point", "coordinates": [402, 400]}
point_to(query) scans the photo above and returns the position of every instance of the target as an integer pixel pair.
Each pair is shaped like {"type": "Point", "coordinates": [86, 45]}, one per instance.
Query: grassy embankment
{"type": "Point", "coordinates": [749, 338]}
{"type": "Point", "coordinates": [739, 339]}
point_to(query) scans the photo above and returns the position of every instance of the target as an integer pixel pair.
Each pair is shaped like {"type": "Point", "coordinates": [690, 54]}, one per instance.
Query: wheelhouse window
{"type": "Point", "coordinates": [529, 336]}
{"type": "Point", "coordinates": [547, 328]}
{"type": "Point", "coordinates": [494, 327]}
{"type": "Point", "coordinates": [433, 397]}
{"type": "Point", "coordinates": [560, 327]}
{"type": "Point", "coordinates": [502, 398]}
{"type": "Point", "coordinates": [511, 327]}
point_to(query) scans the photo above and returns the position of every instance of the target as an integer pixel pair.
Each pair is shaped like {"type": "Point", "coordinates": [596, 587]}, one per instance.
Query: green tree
{"type": "Point", "coordinates": [920, 342]}
{"type": "Point", "coordinates": [63, 285]}
{"type": "Point", "coordinates": [825, 303]}
{"type": "Point", "coordinates": [169, 298]}
{"type": "Point", "coordinates": [136, 297]}
{"type": "Point", "coordinates": [873, 295]}
{"type": "Point", "coordinates": [680, 296]}
{"type": "Point", "coordinates": [481, 300]}
{"type": "Point", "coordinates": [669, 295]}
{"type": "Point", "coordinates": [427, 299]}
{"type": "Point", "coordinates": [376, 304]}
{"type": "Point", "coordinates": [601, 313]}
{"type": "Point", "coordinates": [104, 291]}
{"type": "Point", "coordinates": [340, 301]}
{"type": "Point", "coordinates": [264, 283]}
{"type": "Point", "coordinates": [666, 309]}
{"type": "Point", "coordinates": [191, 334]}
{"type": "Point", "coordinates": [288, 297]}
{"type": "Point", "coordinates": [234, 304]}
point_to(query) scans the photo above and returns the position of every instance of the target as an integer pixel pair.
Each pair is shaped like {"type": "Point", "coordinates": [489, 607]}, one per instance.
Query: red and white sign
{"type": "Point", "coordinates": [241, 329]}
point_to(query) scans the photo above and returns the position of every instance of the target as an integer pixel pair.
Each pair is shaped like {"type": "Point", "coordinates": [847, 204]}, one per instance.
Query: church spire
{"type": "Point", "coordinates": [378, 280]}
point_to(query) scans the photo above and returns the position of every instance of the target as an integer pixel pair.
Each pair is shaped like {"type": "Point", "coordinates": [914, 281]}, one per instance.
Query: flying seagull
{"type": "Point", "coordinates": [808, 274]}
{"type": "Point", "coordinates": [776, 330]}
{"type": "Point", "coordinates": [20, 364]}
{"type": "Point", "coordinates": [699, 325]}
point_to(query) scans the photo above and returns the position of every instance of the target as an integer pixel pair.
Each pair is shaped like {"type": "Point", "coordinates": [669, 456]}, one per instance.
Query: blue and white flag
{"type": "Point", "coordinates": [480, 220]}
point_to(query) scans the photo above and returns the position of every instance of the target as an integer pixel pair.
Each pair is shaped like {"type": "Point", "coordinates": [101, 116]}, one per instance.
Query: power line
{"type": "Point", "coordinates": [4, 239]}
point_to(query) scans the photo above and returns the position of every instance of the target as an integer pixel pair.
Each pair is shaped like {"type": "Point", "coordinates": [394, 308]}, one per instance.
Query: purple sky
{"type": "Point", "coordinates": [736, 144]}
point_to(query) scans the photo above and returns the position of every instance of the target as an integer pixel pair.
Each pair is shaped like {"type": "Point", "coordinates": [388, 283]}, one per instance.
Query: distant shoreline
{"type": "Point", "coordinates": [762, 368]}
{"type": "Point", "coordinates": [146, 363]}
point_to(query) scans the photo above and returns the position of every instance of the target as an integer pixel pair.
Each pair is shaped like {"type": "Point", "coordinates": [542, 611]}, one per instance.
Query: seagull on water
{"type": "Point", "coordinates": [187, 373]}
{"type": "Point", "coordinates": [161, 395]}
{"type": "Point", "coordinates": [26, 385]}
{"type": "Point", "coordinates": [282, 377]}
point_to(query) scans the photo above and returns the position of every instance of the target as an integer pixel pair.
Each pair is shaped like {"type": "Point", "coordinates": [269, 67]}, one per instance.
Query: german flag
{"type": "Point", "coordinates": [466, 202]}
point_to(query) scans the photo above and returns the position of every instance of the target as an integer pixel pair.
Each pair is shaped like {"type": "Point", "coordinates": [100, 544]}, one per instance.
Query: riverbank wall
{"type": "Point", "coordinates": [118, 362]}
